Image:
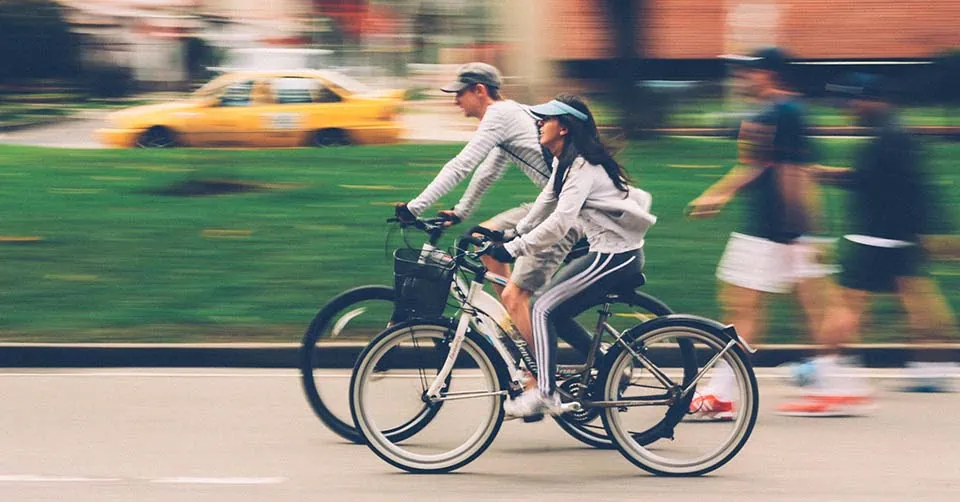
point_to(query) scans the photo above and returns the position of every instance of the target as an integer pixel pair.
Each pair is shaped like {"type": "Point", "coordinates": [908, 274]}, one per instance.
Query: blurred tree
{"type": "Point", "coordinates": [200, 56]}
{"type": "Point", "coordinates": [35, 41]}
{"type": "Point", "coordinates": [107, 81]}
{"type": "Point", "coordinates": [640, 110]}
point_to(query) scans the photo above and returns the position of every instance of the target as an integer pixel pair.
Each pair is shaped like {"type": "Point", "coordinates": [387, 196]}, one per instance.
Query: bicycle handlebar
{"type": "Point", "coordinates": [432, 226]}
{"type": "Point", "coordinates": [435, 228]}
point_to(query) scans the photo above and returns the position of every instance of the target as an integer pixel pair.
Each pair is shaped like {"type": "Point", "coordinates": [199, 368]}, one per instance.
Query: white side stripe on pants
{"type": "Point", "coordinates": [556, 296]}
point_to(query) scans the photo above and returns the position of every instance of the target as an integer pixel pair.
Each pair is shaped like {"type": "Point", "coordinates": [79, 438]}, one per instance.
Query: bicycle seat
{"type": "Point", "coordinates": [628, 284]}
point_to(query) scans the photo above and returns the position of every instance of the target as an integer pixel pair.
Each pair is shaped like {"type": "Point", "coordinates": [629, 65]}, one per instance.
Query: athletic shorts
{"type": "Point", "coordinates": [876, 267]}
{"type": "Point", "coordinates": [764, 265]}
{"type": "Point", "coordinates": [532, 272]}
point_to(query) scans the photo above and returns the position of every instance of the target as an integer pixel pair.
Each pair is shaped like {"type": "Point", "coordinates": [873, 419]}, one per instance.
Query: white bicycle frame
{"type": "Point", "coordinates": [488, 325]}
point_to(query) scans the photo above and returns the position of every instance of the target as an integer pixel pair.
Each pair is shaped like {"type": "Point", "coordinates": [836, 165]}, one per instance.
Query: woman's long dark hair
{"type": "Point", "coordinates": [583, 139]}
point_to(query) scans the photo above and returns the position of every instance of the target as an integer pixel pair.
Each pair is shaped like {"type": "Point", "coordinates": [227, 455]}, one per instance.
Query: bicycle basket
{"type": "Point", "coordinates": [421, 282]}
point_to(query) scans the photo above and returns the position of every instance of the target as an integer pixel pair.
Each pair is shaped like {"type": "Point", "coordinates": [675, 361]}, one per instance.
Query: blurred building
{"type": "Point", "coordinates": [531, 40]}
{"type": "Point", "coordinates": [685, 36]}
{"type": "Point", "coordinates": [150, 37]}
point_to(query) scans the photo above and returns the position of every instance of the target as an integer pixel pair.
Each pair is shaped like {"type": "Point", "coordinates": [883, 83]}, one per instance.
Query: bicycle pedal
{"type": "Point", "coordinates": [533, 418]}
{"type": "Point", "coordinates": [571, 407]}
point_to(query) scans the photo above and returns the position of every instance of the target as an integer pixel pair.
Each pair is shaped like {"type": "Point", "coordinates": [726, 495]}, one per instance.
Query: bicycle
{"type": "Point", "coordinates": [444, 363]}
{"type": "Point", "coordinates": [363, 311]}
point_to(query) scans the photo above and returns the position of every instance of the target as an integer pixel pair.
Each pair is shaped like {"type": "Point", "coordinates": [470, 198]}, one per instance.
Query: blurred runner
{"type": "Point", "coordinates": [893, 214]}
{"type": "Point", "coordinates": [769, 254]}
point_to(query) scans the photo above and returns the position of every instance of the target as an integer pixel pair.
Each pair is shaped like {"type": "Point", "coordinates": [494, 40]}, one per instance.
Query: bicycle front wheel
{"type": "Point", "coordinates": [389, 386]}
{"type": "Point", "coordinates": [665, 360]}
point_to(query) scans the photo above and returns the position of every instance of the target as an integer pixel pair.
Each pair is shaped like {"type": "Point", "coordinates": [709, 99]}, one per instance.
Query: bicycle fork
{"type": "Point", "coordinates": [434, 391]}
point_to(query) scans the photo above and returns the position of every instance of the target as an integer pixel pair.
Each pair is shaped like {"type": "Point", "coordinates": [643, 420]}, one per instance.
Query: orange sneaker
{"type": "Point", "coordinates": [828, 406]}
{"type": "Point", "coordinates": [710, 408]}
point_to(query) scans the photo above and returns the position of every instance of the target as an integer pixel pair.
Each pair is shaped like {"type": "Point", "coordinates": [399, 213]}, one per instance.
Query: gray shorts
{"type": "Point", "coordinates": [532, 272]}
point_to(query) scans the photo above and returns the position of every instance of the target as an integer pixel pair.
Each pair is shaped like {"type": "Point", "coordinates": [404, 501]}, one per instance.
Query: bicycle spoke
{"type": "Point", "coordinates": [664, 439]}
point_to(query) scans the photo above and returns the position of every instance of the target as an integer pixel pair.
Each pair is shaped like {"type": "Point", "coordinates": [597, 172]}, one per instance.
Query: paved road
{"type": "Point", "coordinates": [239, 435]}
{"type": "Point", "coordinates": [70, 133]}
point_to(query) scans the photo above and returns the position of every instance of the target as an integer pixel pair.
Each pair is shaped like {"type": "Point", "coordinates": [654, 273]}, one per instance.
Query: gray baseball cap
{"type": "Point", "coordinates": [474, 73]}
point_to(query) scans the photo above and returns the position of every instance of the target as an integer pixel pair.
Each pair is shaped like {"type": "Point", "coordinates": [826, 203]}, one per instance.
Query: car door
{"type": "Point", "coordinates": [285, 121]}
{"type": "Point", "coordinates": [229, 121]}
{"type": "Point", "coordinates": [315, 107]}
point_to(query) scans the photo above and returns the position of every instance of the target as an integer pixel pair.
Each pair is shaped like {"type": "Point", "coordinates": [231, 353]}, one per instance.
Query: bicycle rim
{"type": "Point", "coordinates": [626, 311]}
{"type": "Point", "coordinates": [385, 393]}
{"type": "Point", "coordinates": [673, 444]}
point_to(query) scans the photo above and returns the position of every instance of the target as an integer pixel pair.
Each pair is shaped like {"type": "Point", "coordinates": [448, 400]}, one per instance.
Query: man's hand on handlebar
{"type": "Point", "coordinates": [404, 214]}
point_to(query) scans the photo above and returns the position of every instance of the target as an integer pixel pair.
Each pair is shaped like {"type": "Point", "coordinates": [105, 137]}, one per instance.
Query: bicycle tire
{"type": "Point", "coordinates": [709, 334]}
{"type": "Point", "coordinates": [596, 436]}
{"type": "Point", "coordinates": [328, 315]}
{"type": "Point", "coordinates": [488, 363]}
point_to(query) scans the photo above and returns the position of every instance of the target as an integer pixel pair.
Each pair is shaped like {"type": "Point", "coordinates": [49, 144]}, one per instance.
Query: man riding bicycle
{"type": "Point", "coordinates": [507, 133]}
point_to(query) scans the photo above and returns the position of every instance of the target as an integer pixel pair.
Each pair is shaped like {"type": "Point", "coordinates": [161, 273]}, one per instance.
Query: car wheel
{"type": "Point", "coordinates": [157, 137]}
{"type": "Point", "coordinates": [328, 138]}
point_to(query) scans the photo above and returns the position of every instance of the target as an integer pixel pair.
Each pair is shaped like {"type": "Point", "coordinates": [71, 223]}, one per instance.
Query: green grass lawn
{"type": "Point", "coordinates": [715, 113]}
{"type": "Point", "coordinates": [117, 260]}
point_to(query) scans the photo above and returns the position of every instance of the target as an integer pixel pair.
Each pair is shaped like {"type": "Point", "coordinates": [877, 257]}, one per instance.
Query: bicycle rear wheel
{"type": "Point", "coordinates": [671, 444]}
{"type": "Point", "coordinates": [626, 309]}
{"type": "Point", "coordinates": [389, 385]}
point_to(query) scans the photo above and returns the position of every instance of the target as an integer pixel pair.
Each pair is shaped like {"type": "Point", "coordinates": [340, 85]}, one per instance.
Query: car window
{"type": "Point", "coordinates": [238, 94]}
{"type": "Point", "coordinates": [346, 82]}
{"type": "Point", "coordinates": [296, 90]}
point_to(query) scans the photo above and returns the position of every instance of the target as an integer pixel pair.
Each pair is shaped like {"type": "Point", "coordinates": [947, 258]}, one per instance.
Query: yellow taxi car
{"type": "Point", "coordinates": [263, 109]}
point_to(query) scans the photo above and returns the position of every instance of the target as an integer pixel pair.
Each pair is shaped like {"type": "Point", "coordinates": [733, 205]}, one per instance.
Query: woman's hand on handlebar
{"type": "Point", "coordinates": [500, 253]}
{"type": "Point", "coordinates": [503, 235]}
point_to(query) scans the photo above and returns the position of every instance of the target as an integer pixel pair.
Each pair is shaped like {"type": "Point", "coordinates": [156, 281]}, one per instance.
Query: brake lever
{"type": "Point", "coordinates": [482, 251]}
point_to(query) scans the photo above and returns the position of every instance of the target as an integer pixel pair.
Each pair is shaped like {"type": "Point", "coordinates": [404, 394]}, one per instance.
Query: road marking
{"type": "Point", "coordinates": [183, 480]}
{"type": "Point", "coordinates": [32, 478]}
{"type": "Point", "coordinates": [218, 481]}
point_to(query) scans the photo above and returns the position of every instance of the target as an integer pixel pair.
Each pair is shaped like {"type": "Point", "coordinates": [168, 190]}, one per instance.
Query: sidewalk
{"type": "Point", "coordinates": [343, 355]}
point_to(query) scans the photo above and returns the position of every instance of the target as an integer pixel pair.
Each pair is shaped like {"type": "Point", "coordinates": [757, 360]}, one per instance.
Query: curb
{"type": "Point", "coordinates": [343, 354]}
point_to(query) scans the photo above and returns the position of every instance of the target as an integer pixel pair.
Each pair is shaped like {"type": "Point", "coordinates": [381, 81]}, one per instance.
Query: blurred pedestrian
{"type": "Point", "coordinates": [769, 254]}
{"type": "Point", "coordinates": [893, 215]}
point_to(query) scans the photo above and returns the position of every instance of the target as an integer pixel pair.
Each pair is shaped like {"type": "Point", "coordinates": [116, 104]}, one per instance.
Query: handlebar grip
{"type": "Point", "coordinates": [465, 240]}
{"type": "Point", "coordinates": [484, 231]}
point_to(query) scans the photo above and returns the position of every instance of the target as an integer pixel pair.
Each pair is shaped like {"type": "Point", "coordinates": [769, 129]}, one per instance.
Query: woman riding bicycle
{"type": "Point", "coordinates": [587, 187]}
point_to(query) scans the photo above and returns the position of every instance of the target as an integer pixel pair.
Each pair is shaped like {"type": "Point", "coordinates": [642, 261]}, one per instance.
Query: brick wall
{"type": "Point", "coordinates": [811, 29]}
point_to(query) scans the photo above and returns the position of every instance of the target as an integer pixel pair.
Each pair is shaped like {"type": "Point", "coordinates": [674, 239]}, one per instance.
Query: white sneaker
{"type": "Point", "coordinates": [532, 403]}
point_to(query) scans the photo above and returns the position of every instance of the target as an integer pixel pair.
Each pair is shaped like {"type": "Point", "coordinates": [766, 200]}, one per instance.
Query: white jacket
{"type": "Point", "coordinates": [612, 220]}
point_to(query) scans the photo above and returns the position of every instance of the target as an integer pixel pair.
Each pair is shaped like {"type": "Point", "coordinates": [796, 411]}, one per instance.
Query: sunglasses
{"type": "Point", "coordinates": [544, 120]}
